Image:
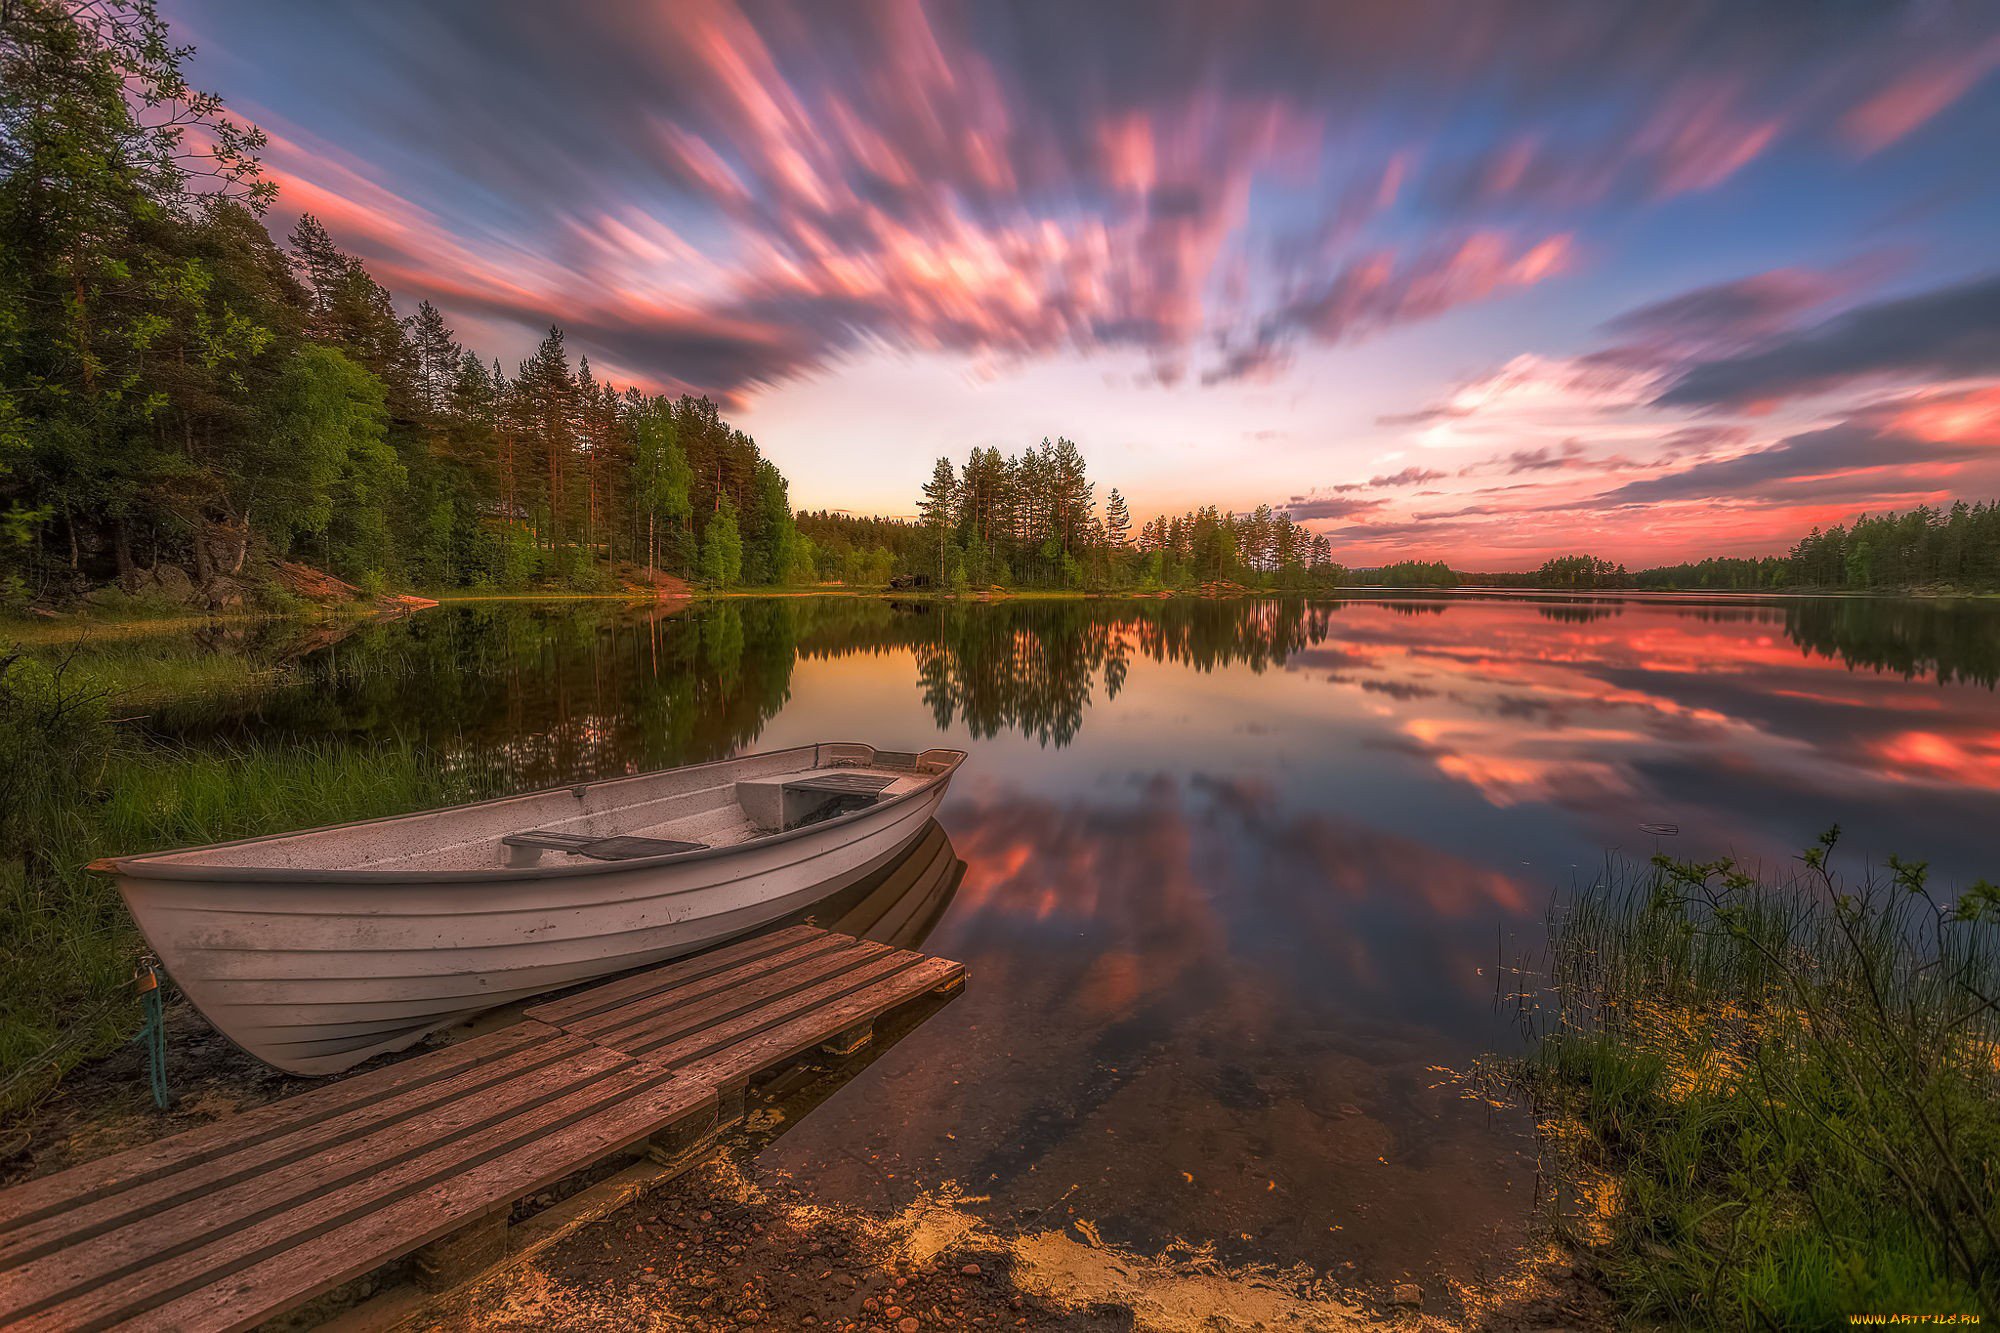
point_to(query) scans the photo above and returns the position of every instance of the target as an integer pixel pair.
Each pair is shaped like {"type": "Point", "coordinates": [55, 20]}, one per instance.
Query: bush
{"type": "Point", "coordinates": [1787, 1092]}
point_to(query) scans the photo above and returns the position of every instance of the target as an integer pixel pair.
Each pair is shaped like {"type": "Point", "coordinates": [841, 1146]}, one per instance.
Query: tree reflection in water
{"type": "Point", "coordinates": [546, 693]}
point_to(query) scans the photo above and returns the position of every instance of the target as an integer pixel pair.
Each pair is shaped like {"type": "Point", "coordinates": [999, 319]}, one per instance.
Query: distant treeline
{"type": "Point", "coordinates": [179, 394]}
{"type": "Point", "coordinates": [1031, 520]}
{"type": "Point", "coordinates": [1927, 547]}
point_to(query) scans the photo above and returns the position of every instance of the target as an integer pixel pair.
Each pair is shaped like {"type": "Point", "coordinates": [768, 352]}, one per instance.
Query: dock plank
{"type": "Point", "coordinates": [611, 993]}
{"type": "Point", "coordinates": [654, 1022]}
{"type": "Point", "coordinates": [418, 1181]}
{"type": "Point", "coordinates": [742, 1059]}
{"type": "Point", "coordinates": [388, 1155]}
{"type": "Point", "coordinates": [257, 1157]}
{"type": "Point", "coordinates": [83, 1183]}
{"type": "Point", "coordinates": [677, 1046]}
{"type": "Point", "coordinates": [711, 993]}
{"type": "Point", "coordinates": [224, 1226]}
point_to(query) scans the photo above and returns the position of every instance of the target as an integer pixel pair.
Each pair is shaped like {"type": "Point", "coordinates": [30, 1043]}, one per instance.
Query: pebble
{"type": "Point", "coordinates": [1407, 1294]}
{"type": "Point", "coordinates": [970, 1270]}
{"type": "Point", "coordinates": [907, 1325]}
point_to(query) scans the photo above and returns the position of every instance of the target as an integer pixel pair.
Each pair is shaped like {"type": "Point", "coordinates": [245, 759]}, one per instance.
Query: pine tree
{"type": "Point", "coordinates": [938, 507]}
{"type": "Point", "coordinates": [1117, 520]}
{"type": "Point", "coordinates": [437, 353]}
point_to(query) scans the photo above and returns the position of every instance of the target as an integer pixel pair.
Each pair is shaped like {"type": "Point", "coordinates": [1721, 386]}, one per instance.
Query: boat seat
{"type": "Point", "coordinates": [787, 800]}
{"type": "Point", "coordinates": [621, 847]}
{"type": "Point", "coordinates": [842, 784]}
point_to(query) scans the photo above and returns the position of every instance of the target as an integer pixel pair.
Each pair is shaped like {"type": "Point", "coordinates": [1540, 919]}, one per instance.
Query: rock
{"type": "Point", "coordinates": [1407, 1295]}
{"type": "Point", "coordinates": [907, 1325]}
{"type": "Point", "coordinates": [970, 1270]}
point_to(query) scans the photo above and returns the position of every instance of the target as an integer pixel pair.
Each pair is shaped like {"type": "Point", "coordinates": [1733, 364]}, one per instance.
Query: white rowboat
{"type": "Point", "coordinates": [316, 950]}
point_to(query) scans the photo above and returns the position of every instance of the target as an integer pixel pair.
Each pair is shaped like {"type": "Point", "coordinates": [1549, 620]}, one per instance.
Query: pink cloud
{"type": "Point", "coordinates": [1915, 96]}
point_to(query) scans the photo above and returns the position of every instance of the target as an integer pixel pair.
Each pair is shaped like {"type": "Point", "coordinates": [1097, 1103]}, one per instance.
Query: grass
{"type": "Point", "coordinates": [73, 789]}
{"type": "Point", "coordinates": [1774, 1103]}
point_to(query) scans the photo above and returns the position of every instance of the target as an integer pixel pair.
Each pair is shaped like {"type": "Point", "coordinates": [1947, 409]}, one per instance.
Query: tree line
{"type": "Point", "coordinates": [181, 394]}
{"type": "Point", "coordinates": [1926, 547]}
{"type": "Point", "coordinates": [1031, 520]}
{"type": "Point", "coordinates": [1582, 571]}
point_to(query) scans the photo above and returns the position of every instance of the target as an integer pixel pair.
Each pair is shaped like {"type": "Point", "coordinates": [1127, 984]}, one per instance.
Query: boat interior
{"type": "Point", "coordinates": [724, 804]}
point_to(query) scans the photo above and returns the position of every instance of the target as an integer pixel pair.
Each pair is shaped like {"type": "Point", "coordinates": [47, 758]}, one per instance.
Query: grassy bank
{"type": "Point", "coordinates": [73, 789]}
{"type": "Point", "coordinates": [1774, 1104]}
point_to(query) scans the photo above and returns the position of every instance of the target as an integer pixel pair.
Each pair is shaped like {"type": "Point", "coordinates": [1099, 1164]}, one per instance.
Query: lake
{"type": "Point", "coordinates": [1238, 873]}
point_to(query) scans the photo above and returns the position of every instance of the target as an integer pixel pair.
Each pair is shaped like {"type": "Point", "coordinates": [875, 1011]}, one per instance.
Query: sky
{"type": "Point", "coordinates": [1481, 282]}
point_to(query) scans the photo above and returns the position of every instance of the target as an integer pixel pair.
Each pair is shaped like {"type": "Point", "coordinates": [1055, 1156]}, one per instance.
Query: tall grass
{"type": "Point", "coordinates": [72, 789]}
{"type": "Point", "coordinates": [1782, 1097]}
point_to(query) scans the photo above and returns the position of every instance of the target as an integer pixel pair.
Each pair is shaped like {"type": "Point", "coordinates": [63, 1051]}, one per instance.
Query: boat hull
{"type": "Point", "coordinates": [321, 976]}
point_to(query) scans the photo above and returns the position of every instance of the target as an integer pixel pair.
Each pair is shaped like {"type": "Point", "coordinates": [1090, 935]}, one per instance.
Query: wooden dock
{"type": "Point", "coordinates": [225, 1226]}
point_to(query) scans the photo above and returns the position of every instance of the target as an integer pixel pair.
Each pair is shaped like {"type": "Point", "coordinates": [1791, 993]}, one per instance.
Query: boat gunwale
{"type": "Point", "coordinates": [152, 865]}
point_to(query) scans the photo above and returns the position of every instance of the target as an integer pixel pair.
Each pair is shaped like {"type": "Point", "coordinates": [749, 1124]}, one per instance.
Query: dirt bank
{"type": "Point", "coordinates": [727, 1247]}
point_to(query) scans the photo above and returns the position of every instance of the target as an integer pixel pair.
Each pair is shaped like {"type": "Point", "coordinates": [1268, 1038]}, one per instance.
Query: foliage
{"type": "Point", "coordinates": [1581, 571]}
{"type": "Point", "coordinates": [1412, 574]}
{"type": "Point", "coordinates": [1032, 521]}
{"type": "Point", "coordinates": [1956, 548]}
{"type": "Point", "coordinates": [722, 548]}
{"type": "Point", "coordinates": [177, 389]}
{"type": "Point", "coordinates": [1786, 1092]}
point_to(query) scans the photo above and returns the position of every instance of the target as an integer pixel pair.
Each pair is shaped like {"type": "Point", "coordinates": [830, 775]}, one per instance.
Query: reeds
{"type": "Point", "coordinates": [73, 789]}
{"type": "Point", "coordinates": [1778, 1096]}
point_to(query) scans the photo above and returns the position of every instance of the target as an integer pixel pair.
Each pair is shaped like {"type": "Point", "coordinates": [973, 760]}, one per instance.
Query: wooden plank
{"type": "Point", "coordinates": [254, 1270]}
{"type": "Point", "coordinates": [402, 1306]}
{"type": "Point", "coordinates": [715, 992]}
{"type": "Point", "coordinates": [382, 1155]}
{"type": "Point", "coordinates": [650, 1029]}
{"type": "Point", "coordinates": [262, 1156]}
{"type": "Point", "coordinates": [755, 1053]}
{"type": "Point", "coordinates": [674, 1048]}
{"type": "Point", "coordinates": [613, 993]}
{"type": "Point", "coordinates": [29, 1202]}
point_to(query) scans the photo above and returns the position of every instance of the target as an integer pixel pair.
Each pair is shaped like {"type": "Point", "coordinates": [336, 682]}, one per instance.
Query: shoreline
{"type": "Point", "coordinates": [45, 627]}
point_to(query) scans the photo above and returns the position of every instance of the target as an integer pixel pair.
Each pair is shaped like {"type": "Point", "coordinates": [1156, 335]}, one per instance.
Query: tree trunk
{"type": "Point", "coordinates": [204, 565]}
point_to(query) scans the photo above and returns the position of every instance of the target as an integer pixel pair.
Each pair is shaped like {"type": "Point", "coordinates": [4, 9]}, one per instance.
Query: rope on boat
{"type": "Point", "coordinates": [154, 1032]}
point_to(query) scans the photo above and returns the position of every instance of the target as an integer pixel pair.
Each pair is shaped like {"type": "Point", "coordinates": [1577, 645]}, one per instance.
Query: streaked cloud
{"type": "Point", "coordinates": [1947, 333]}
{"type": "Point", "coordinates": [1559, 241]}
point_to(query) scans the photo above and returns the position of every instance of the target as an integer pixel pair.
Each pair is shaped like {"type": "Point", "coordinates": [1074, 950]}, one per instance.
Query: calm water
{"type": "Point", "coordinates": [1237, 874]}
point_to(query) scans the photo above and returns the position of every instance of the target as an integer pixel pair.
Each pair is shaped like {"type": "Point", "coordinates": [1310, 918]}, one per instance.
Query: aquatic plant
{"type": "Point", "coordinates": [1777, 1100]}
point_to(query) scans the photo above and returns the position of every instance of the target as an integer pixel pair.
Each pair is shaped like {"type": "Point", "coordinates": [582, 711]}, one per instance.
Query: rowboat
{"type": "Point", "coordinates": [316, 950]}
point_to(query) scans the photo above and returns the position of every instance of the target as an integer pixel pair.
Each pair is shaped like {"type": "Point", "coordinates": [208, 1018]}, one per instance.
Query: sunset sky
{"type": "Point", "coordinates": [1476, 281]}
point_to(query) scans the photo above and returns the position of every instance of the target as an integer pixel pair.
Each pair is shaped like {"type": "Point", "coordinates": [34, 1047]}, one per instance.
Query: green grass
{"type": "Point", "coordinates": [1773, 1104]}
{"type": "Point", "coordinates": [73, 789]}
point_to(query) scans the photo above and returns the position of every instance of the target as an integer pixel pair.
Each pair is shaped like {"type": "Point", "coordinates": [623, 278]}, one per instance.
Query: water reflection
{"type": "Point", "coordinates": [900, 904]}
{"type": "Point", "coordinates": [1234, 873]}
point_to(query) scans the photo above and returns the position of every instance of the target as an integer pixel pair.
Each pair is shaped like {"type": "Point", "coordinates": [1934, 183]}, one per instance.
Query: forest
{"type": "Point", "coordinates": [184, 401]}
{"type": "Point", "coordinates": [1032, 520]}
{"type": "Point", "coordinates": [1955, 549]}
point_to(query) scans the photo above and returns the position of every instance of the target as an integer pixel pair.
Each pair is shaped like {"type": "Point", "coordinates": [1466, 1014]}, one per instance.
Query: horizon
{"type": "Point", "coordinates": [1653, 286]}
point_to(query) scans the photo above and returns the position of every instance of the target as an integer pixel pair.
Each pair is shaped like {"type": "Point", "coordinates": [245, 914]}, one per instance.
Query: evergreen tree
{"type": "Point", "coordinates": [938, 507]}
{"type": "Point", "coordinates": [722, 547]}
{"type": "Point", "coordinates": [662, 475]}
{"type": "Point", "coordinates": [1117, 519]}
